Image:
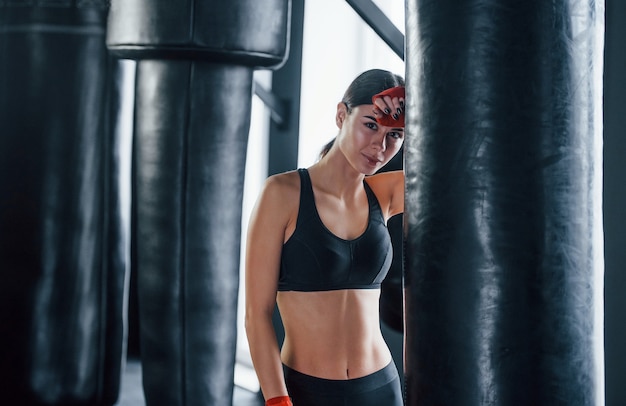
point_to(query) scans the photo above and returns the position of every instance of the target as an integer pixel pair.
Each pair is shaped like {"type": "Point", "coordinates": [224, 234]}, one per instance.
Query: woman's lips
{"type": "Point", "coordinates": [372, 161]}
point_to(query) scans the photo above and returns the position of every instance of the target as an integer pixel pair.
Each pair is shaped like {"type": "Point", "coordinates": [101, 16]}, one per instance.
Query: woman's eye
{"type": "Point", "coordinates": [395, 135]}
{"type": "Point", "coordinates": [371, 125]}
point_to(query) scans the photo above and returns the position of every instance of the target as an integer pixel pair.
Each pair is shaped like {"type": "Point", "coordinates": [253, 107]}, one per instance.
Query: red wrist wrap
{"type": "Point", "coordinates": [279, 401]}
{"type": "Point", "coordinates": [387, 119]}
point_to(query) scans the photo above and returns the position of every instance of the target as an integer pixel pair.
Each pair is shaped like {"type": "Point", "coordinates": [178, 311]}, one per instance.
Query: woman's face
{"type": "Point", "coordinates": [367, 145]}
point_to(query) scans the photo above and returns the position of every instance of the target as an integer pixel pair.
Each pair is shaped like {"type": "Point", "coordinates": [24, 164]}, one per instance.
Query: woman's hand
{"type": "Point", "coordinates": [389, 107]}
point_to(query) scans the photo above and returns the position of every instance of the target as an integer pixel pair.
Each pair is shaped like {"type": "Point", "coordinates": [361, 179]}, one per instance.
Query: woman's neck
{"type": "Point", "coordinates": [334, 174]}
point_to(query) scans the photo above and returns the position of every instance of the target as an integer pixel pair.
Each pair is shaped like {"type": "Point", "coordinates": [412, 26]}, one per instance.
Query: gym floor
{"type": "Point", "coordinates": [132, 392]}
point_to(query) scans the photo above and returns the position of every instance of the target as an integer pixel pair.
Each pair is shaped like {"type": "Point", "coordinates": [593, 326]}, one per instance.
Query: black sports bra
{"type": "Point", "coordinates": [314, 259]}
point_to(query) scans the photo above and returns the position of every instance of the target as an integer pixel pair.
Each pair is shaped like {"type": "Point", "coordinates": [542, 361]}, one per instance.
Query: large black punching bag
{"type": "Point", "coordinates": [504, 247]}
{"type": "Point", "coordinates": [193, 101]}
{"type": "Point", "coordinates": [63, 243]}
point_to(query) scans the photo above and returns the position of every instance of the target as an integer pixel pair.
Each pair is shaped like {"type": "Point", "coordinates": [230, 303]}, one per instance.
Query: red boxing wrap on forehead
{"type": "Point", "coordinates": [279, 401]}
{"type": "Point", "coordinates": [387, 119]}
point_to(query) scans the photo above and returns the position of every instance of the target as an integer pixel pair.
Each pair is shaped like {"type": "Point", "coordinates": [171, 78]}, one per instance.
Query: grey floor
{"type": "Point", "coordinates": [132, 391]}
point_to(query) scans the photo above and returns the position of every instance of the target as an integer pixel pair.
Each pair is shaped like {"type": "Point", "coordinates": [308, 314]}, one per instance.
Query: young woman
{"type": "Point", "coordinates": [318, 246]}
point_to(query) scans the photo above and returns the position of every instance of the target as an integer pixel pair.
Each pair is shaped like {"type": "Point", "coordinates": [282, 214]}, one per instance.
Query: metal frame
{"type": "Point", "coordinates": [277, 106]}
{"type": "Point", "coordinates": [286, 87]}
{"type": "Point", "coordinates": [380, 23]}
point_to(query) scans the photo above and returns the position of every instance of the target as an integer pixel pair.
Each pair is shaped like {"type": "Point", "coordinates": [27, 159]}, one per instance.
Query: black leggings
{"type": "Point", "coordinates": [382, 388]}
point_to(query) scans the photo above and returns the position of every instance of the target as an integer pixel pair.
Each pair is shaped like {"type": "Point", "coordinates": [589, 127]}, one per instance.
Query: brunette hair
{"type": "Point", "coordinates": [367, 84]}
{"type": "Point", "coordinates": [361, 90]}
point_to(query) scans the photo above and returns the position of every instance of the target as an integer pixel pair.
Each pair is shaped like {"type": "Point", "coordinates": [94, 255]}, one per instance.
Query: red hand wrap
{"type": "Point", "coordinates": [279, 401]}
{"type": "Point", "coordinates": [387, 119]}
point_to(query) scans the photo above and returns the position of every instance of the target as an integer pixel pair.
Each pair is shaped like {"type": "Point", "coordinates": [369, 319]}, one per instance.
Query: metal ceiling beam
{"type": "Point", "coordinates": [380, 23]}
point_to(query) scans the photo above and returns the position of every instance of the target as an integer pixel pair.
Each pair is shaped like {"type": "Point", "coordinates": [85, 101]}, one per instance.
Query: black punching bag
{"type": "Point", "coordinates": [62, 238]}
{"type": "Point", "coordinates": [193, 101]}
{"type": "Point", "coordinates": [504, 247]}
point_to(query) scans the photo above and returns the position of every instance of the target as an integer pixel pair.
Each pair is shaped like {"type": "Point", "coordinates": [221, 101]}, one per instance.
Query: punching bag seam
{"type": "Point", "coordinates": [192, 24]}
{"type": "Point", "coordinates": [52, 29]}
{"type": "Point", "coordinates": [183, 233]}
{"type": "Point", "coordinates": [101, 4]}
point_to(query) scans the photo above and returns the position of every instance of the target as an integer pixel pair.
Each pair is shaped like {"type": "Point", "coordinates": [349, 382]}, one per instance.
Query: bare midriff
{"type": "Point", "coordinates": [333, 334]}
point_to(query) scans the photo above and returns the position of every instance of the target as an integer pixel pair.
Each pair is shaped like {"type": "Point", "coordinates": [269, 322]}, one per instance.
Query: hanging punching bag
{"type": "Point", "coordinates": [193, 101]}
{"type": "Point", "coordinates": [62, 251]}
{"type": "Point", "coordinates": [503, 213]}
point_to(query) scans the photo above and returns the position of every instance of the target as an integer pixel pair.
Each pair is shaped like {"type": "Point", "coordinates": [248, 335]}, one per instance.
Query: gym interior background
{"type": "Point", "coordinates": [48, 175]}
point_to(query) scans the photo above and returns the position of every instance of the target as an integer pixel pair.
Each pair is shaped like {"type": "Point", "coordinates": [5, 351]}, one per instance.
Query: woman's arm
{"type": "Point", "coordinates": [389, 189]}
{"type": "Point", "coordinates": [266, 233]}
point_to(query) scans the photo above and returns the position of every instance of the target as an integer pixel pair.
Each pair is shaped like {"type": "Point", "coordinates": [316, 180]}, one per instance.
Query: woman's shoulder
{"type": "Point", "coordinates": [285, 182]}
{"type": "Point", "coordinates": [282, 188]}
{"type": "Point", "coordinates": [279, 200]}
